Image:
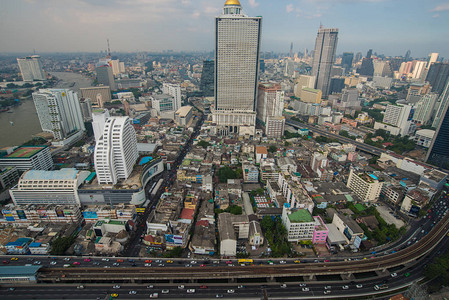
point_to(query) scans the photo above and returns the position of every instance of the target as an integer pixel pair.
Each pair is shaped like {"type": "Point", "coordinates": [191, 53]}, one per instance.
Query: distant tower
{"type": "Point", "coordinates": [369, 53]}
{"type": "Point", "coordinates": [291, 50]}
{"type": "Point", "coordinates": [407, 55]}
{"type": "Point", "coordinates": [237, 46]}
{"type": "Point", "coordinates": [324, 57]}
{"type": "Point", "coordinates": [31, 68]}
{"type": "Point", "coordinates": [207, 78]}
{"type": "Point", "coordinates": [105, 76]}
{"type": "Point", "coordinates": [109, 50]}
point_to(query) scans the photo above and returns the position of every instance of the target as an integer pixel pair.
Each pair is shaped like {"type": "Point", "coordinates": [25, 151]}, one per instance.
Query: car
{"type": "Point", "coordinates": [302, 284]}
{"type": "Point", "coordinates": [132, 292]}
{"type": "Point", "coordinates": [87, 259]}
{"type": "Point", "coordinates": [150, 286]}
{"type": "Point", "coordinates": [96, 263]}
{"type": "Point", "coordinates": [181, 287]}
{"type": "Point", "coordinates": [148, 261]}
{"type": "Point", "coordinates": [219, 296]}
{"type": "Point", "coordinates": [228, 262]}
{"type": "Point", "coordinates": [11, 289]}
{"type": "Point", "coordinates": [80, 287]}
{"type": "Point", "coordinates": [119, 260]}
{"type": "Point", "coordinates": [359, 286]}
{"type": "Point", "coordinates": [53, 263]}
{"type": "Point", "coordinates": [116, 286]}
{"type": "Point", "coordinates": [327, 287]}
{"type": "Point", "coordinates": [327, 292]}
{"type": "Point", "coordinates": [161, 265]}
{"type": "Point", "coordinates": [147, 265]}
{"type": "Point", "coordinates": [116, 264]}
{"type": "Point", "coordinates": [407, 274]}
{"type": "Point", "coordinates": [191, 291]}
{"type": "Point", "coordinates": [282, 262]}
{"type": "Point", "coordinates": [270, 262]}
{"type": "Point", "coordinates": [188, 265]}
{"type": "Point", "coordinates": [297, 261]}
{"type": "Point", "coordinates": [169, 261]}
{"type": "Point", "coordinates": [203, 287]}
{"type": "Point", "coordinates": [345, 287]}
{"type": "Point", "coordinates": [105, 259]}
{"type": "Point", "coordinates": [193, 262]}
{"type": "Point", "coordinates": [114, 295]}
{"type": "Point", "coordinates": [283, 286]}
{"type": "Point", "coordinates": [36, 262]}
{"type": "Point", "coordinates": [394, 274]}
{"type": "Point", "coordinates": [77, 263]}
{"type": "Point", "coordinates": [203, 265]}
{"type": "Point", "coordinates": [326, 260]}
{"type": "Point", "coordinates": [241, 287]}
{"type": "Point", "coordinates": [154, 295]}
{"type": "Point", "coordinates": [165, 291]}
{"type": "Point", "coordinates": [14, 258]}
{"type": "Point", "coordinates": [67, 258]}
{"type": "Point", "coordinates": [305, 289]}
{"type": "Point", "coordinates": [231, 291]}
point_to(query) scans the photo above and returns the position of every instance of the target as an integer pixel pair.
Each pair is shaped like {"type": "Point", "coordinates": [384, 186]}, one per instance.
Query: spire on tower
{"type": "Point", "coordinates": [109, 50]}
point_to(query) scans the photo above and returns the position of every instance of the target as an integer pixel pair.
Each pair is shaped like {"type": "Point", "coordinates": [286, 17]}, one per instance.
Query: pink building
{"type": "Point", "coordinates": [352, 156]}
{"type": "Point", "coordinates": [320, 233]}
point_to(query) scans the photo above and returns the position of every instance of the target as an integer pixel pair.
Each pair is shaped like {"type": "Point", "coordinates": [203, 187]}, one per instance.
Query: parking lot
{"type": "Point", "coordinates": [387, 214]}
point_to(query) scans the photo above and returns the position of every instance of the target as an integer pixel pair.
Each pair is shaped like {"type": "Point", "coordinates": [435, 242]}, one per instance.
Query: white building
{"type": "Point", "coordinates": [59, 112]}
{"type": "Point", "coordinates": [173, 90]}
{"type": "Point", "coordinates": [400, 116]}
{"type": "Point", "coordinates": [31, 68]}
{"type": "Point", "coordinates": [163, 103]}
{"type": "Point", "coordinates": [183, 115]}
{"type": "Point", "coordinates": [424, 137]}
{"type": "Point", "coordinates": [418, 69]}
{"type": "Point", "coordinates": [116, 151]}
{"type": "Point", "coordinates": [28, 158]}
{"type": "Point", "coordinates": [424, 111]}
{"type": "Point", "coordinates": [366, 186]}
{"type": "Point", "coordinates": [270, 105]}
{"type": "Point", "coordinates": [49, 187]}
{"type": "Point", "coordinates": [299, 224]}
{"type": "Point", "coordinates": [237, 49]}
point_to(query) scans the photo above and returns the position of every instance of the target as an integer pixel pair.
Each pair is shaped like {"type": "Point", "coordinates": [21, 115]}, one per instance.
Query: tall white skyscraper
{"type": "Point", "coordinates": [173, 90]}
{"type": "Point", "coordinates": [59, 112]}
{"type": "Point", "coordinates": [116, 151]}
{"type": "Point", "coordinates": [270, 105]}
{"type": "Point", "coordinates": [31, 68]}
{"type": "Point", "coordinates": [237, 46]}
{"type": "Point", "coordinates": [324, 57]}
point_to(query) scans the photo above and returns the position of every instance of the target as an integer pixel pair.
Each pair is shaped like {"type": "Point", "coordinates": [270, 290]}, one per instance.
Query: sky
{"type": "Point", "coordinates": [389, 27]}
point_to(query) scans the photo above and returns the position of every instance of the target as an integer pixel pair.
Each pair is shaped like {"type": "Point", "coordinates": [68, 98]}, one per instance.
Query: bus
{"type": "Point", "coordinates": [245, 261]}
{"type": "Point", "coordinates": [157, 187]}
{"type": "Point", "coordinates": [380, 287]}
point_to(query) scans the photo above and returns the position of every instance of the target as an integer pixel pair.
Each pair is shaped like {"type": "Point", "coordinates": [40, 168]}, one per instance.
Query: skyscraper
{"type": "Point", "coordinates": [438, 153]}
{"type": "Point", "coordinates": [31, 68]}
{"type": "Point", "coordinates": [105, 76]}
{"type": "Point", "coordinates": [237, 46]}
{"type": "Point", "coordinates": [59, 112]}
{"type": "Point", "coordinates": [207, 78]}
{"type": "Point", "coordinates": [440, 105]}
{"type": "Point", "coordinates": [173, 90]}
{"type": "Point", "coordinates": [438, 76]}
{"type": "Point", "coordinates": [346, 61]}
{"type": "Point", "coordinates": [116, 151]}
{"type": "Point", "coordinates": [270, 104]}
{"type": "Point", "coordinates": [324, 57]}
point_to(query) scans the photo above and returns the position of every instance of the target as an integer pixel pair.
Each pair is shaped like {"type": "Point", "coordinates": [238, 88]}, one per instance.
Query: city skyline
{"type": "Point", "coordinates": [187, 25]}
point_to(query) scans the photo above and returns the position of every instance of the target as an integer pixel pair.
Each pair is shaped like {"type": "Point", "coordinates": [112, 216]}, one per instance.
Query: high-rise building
{"type": "Point", "coordinates": [304, 81]}
{"type": "Point", "coordinates": [31, 68]}
{"type": "Point", "coordinates": [399, 115]}
{"type": "Point", "coordinates": [407, 55]}
{"type": "Point", "coordinates": [440, 105]}
{"type": "Point", "coordinates": [105, 76]}
{"type": "Point", "coordinates": [59, 112]}
{"type": "Point", "coordinates": [418, 69]}
{"type": "Point", "coordinates": [432, 58]}
{"type": "Point", "coordinates": [438, 153]}
{"type": "Point", "coordinates": [173, 90]}
{"type": "Point", "coordinates": [366, 186]}
{"type": "Point", "coordinates": [86, 109]}
{"type": "Point", "coordinates": [270, 104]}
{"type": "Point", "coordinates": [163, 103]}
{"type": "Point", "coordinates": [367, 67]}
{"type": "Point", "coordinates": [337, 85]}
{"type": "Point", "coordinates": [118, 67]}
{"type": "Point", "coordinates": [237, 46]}
{"type": "Point", "coordinates": [424, 108]}
{"type": "Point", "coordinates": [438, 76]}
{"type": "Point", "coordinates": [207, 78]}
{"type": "Point", "coordinates": [346, 61]}
{"type": "Point", "coordinates": [369, 53]}
{"type": "Point", "coordinates": [324, 57]}
{"type": "Point", "coordinates": [98, 95]}
{"type": "Point", "coordinates": [116, 151]}
{"type": "Point", "coordinates": [358, 57]}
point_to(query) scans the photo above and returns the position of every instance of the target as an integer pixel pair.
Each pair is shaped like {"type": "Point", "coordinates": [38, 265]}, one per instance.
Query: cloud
{"type": "Point", "coordinates": [442, 7]}
{"type": "Point", "coordinates": [289, 8]}
{"type": "Point", "coordinates": [253, 3]}
{"type": "Point", "coordinates": [436, 16]}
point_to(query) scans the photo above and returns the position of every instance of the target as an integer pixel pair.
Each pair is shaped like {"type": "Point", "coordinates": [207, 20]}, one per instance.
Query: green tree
{"type": "Point", "coordinates": [203, 144]}
{"type": "Point", "coordinates": [61, 244]}
{"type": "Point", "coordinates": [344, 133]}
{"type": "Point", "coordinates": [272, 148]}
{"type": "Point", "coordinates": [226, 173]}
{"type": "Point", "coordinates": [235, 210]}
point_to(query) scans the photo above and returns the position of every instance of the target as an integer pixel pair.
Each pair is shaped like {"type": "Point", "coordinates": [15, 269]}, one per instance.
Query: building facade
{"type": "Point", "coordinates": [31, 68]}
{"type": "Point", "coordinates": [270, 105]}
{"type": "Point", "coordinates": [173, 90]}
{"type": "Point", "coordinates": [438, 153]}
{"type": "Point", "coordinates": [366, 186]}
{"type": "Point", "coordinates": [237, 46]}
{"type": "Point", "coordinates": [98, 95]}
{"type": "Point", "coordinates": [28, 158]}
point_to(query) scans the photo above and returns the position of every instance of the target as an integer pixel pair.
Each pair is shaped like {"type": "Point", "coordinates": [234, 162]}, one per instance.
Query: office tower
{"type": "Point", "coordinates": [122, 67]}
{"type": "Point", "coordinates": [424, 108]}
{"type": "Point", "coordinates": [270, 104]}
{"type": "Point", "coordinates": [381, 68]}
{"type": "Point", "coordinates": [173, 90]}
{"type": "Point", "coordinates": [291, 50]}
{"type": "Point", "coordinates": [237, 46]}
{"type": "Point", "coordinates": [116, 151]}
{"type": "Point", "coordinates": [59, 112]}
{"type": "Point", "coordinates": [399, 115]}
{"type": "Point", "coordinates": [31, 68]}
{"type": "Point", "coordinates": [304, 81]}
{"type": "Point", "coordinates": [324, 57]}
{"type": "Point", "coordinates": [115, 64]}
{"type": "Point", "coordinates": [358, 57]}
{"type": "Point", "coordinates": [395, 63]}
{"type": "Point", "coordinates": [262, 66]}
{"type": "Point", "coordinates": [440, 105]}
{"type": "Point", "coordinates": [207, 78]}
{"type": "Point", "coordinates": [99, 117]}
{"type": "Point", "coordinates": [418, 69]}
{"type": "Point", "coordinates": [98, 95]}
{"type": "Point", "coordinates": [86, 109]}
{"type": "Point", "coordinates": [367, 67]}
{"type": "Point", "coordinates": [369, 53]}
{"type": "Point", "coordinates": [432, 58]}
{"type": "Point", "coordinates": [346, 61]}
{"type": "Point", "coordinates": [438, 153]}
{"type": "Point", "coordinates": [438, 76]}
{"type": "Point", "coordinates": [105, 76]}
{"type": "Point", "coordinates": [407, 55]}
{"type": "Point", "coordinates": [289, 68]}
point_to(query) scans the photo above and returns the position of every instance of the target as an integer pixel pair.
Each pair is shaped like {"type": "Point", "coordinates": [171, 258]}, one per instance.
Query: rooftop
{"type": "Point", "coordinates": [300, 216]}
{"type": "Point", "coordinates": [63, 174]}
{"type": "Point", "coordinates": [10, 271]}
{"type": "Point", "coordinates": [25, 152]}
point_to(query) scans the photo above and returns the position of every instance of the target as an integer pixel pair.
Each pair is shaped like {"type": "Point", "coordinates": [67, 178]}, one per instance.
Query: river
{"type": "Point", "coordinates": [25, 122]}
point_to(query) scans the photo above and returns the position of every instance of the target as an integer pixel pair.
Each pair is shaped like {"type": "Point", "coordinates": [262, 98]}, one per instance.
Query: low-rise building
{"type": "Point", "coordinates": [299, 224]}
{"type": "Point", "coordinates": [28, 158]}
{"type": "Point", "coordinates": [349, 228]}
{"type": "Point", "coordinates": [320, 232]}
{"type": "Point", "coordinates": [231, 228]}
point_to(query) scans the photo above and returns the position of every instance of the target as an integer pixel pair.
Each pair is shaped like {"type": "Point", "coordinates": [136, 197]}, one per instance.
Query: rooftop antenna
{"type": "Point", "coordinates": [321, 25]}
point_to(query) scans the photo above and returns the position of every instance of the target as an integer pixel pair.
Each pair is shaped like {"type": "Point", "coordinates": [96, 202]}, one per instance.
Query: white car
{"type": "Point", "coordinates": [284, 286]}
{"type": "Point", "coordinates": [180, 287]}
{"type": "Point", "coordinates": [327, 287]}
{"type": "Point", "coordinates": [53, 263]}
{"type": "Point", "coordinates": [359, 286]}
{"type": "Point", "coordinates": [282, 262]}
{"type": "Point", "coordinates": [165, 291]}
{"type": "Point", "coordinates": [327, 292]}
{"type": "Point", "coordinates": [132, 292]}
{"type": "Point", "coordinates": [191, 291]}
{"type": "Point", "coordinates": [394, 274]}
{"type": "Point", "coordinates": [105, 259]}
{"type": "Point", "coordinates": [231, 291]}
{"type": "Point", "coordinates": [116, 286]}
{"type": "Point", "coordinates": [302, 284]}
{"type": "Point", "coordinates": [67, 259]}
{"type": "Point", "coordinates": [305, 289]}
{"type": "Point", "coordinates": [345, 287]}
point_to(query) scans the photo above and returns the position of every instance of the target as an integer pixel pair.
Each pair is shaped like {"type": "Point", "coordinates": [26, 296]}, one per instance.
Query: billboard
{"type": "Point", "coordinates": [174, 239]}
{"type": "Point", "coordinates": [357, 241]}
{"type": "Point", "coordinates": [90, 215]}
{"type": "Point", "coordinates": [21, 214]}
{"type": "Point", "coordinates": [60, 213]}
